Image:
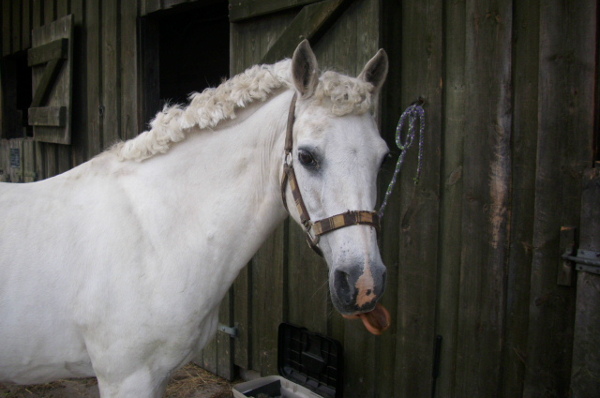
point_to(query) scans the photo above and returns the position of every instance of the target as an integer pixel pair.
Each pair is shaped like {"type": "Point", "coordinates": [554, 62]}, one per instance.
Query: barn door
{"type": "Point", "coordinates": [585, 377]}
{"type": "Point", "coordinates": [51, 61]}
{"type": "Point", "coordinates": [310, 23]}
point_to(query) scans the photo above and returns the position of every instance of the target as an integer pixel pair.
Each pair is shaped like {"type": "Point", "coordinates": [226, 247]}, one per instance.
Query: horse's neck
{"type": "Point", "coordinates": [219, 189]}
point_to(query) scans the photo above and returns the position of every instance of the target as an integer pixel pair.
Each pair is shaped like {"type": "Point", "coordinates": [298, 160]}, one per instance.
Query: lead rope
{"type": "Point", "coordinates": [413, 113]}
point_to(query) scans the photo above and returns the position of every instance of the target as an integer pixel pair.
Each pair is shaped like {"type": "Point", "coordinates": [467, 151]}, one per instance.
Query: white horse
{"type": "Point", "coordinates": [116, 268]}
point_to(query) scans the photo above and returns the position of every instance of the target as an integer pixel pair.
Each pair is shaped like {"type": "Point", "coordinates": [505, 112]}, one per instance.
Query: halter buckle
{"type": "Point", "coordinates": [288, 158]}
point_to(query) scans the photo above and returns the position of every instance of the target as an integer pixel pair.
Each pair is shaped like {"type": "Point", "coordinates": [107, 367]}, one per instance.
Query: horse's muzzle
{"type": "Point", "coordinates": [356, 288]}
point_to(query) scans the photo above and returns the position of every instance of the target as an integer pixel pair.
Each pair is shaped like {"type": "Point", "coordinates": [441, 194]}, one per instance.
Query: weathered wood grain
{"type": "Point", "coordinates": [486, 196]}
{"type": "Point", "coordinates": [246, 9]}
{"type": "Point", "coordinates": [585, 372]}
{"type": "Point", "coordinates": [524, 148]}
{"type": "Point", "coordinates": [52, 81]}
{"type": "Point", "coordinates": [564, 145]}
{"type": "Point", "coordinates": [421, 68]}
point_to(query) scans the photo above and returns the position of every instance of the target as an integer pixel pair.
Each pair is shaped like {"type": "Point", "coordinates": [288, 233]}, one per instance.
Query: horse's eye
{"type": "Point", "coordinates": [306, 159]}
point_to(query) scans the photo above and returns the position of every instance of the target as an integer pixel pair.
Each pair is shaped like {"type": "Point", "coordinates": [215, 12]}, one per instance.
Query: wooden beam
{"type": "Point", "coordinates": [310, 24]}
{"type": "Point", "coordinates": [43, 89]}
{"type": "Point", "coordinates": [240, 10]}
{"type": "Point", "coordinates": [57, 49]}
{"type": "Point", "coordinates": [53, 116]}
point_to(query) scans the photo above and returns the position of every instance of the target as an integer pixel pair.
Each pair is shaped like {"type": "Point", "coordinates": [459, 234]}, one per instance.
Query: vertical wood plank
{"type": "Point", "coordinates": [94, 77]}
{"type": "Point", "coordinates": [16, 25]}
{"type": "Point", "coordinates": [486, 187]}
{"type": "Point", "coordinates": [129, 74]}
{"type": "Point", "coordinates": [26, 25]}
{"type": "Point", "coordinates": [6, 26]}
{"type": "Point", "coordinates": [15, 154]}
{"type": "Point", "coordinates": [565, 122]}
{"type": "Point", "coordinates": [417, 244]}
{"type": "Point", "coordinates": [29, 174]}
{"type": "Point", "coordinates": [4, 161]}
{"type": "Point", "coordinates": [524, 148]}
{"type": "Point", "coordinates": [307, 281]}
{"type": "Point", "coordinates": [451, 205]}
{"type": "Point", "coordinates": [268, 289]}
{"type": "Point", "coordinates": [37, 14]}
{"type": "Point", "coordinates": [111, 81]}
{"type": "Point", "coordinates": [224, 361]}
{"type": "Point", "coordinates": [49, 14]}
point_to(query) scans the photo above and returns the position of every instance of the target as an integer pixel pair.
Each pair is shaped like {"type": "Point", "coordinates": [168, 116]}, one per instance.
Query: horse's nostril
{"type": "Point", "coordinates": [343, 287]}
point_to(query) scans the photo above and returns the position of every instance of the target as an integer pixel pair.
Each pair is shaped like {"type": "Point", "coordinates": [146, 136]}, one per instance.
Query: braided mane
{"type": "Point", "coordinates": [340, 93]}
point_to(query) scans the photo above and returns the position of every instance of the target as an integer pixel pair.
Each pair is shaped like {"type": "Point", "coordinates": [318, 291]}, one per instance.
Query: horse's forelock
{"type": "Point", "coordinates": [343, 94]}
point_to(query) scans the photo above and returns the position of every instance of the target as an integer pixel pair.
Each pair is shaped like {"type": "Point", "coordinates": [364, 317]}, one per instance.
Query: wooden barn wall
{"type": "Point", "coordinates": [473, 250]}
{"type": "Point", "coordinates": [104, 92]}
{"type": "Point", "coordinates": [511, 95]}
{"type": "Point", "coordinates": [106, 84]}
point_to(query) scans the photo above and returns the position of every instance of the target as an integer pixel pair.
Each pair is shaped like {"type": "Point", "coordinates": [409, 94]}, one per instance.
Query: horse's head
{"type": "Point", "coordinates": [336, 155]}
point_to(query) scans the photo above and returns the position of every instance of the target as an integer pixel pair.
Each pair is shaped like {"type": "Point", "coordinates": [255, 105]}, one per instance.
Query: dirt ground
{"type": "Point", "coordinates": [190, 381]}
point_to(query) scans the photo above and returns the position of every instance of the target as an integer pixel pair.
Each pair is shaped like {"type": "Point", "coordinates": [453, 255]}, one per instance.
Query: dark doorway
{"type": "Point", "coordinates": [15, 79]}
{"type": "Point", "coordinates": [184, 50]}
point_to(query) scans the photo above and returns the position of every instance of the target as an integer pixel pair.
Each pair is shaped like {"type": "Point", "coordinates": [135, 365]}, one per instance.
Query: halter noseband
{"type": "Point", "coordinates": [314, 230]}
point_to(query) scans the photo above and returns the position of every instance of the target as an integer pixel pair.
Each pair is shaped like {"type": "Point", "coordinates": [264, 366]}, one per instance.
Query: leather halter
{"type": "Point", "coordinates": [315, 229]}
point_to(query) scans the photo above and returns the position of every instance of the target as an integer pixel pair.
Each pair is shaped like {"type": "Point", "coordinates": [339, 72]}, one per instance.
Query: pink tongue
{"type": "Point", "coordinates": [376, 321]}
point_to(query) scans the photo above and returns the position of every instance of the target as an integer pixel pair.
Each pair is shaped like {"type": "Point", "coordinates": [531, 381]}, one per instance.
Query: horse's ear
{"type": "Point", "coordinates": [376, 70]}
{"type": "Point", "coordinates": [304, 70]}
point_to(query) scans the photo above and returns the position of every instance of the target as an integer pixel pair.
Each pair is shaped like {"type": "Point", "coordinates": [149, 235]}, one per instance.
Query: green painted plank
{"type": "Point", "coordinates": [26, 25]}
{"type": "Point", "coordinates": [111, 45]}
{"type": "Point", "coordinates": [94, 73]}
{"type": "Point", "coordinates": [240, 10]}
{"type": "Point", "coordinates": [48, 116]}
{"type": "Point", "coordinates": [451, 207]}
{"type": "Point", "coordinates": [16, 25]}
{"type": "Point", "coordinates": [130, 75]}
{"type": "Point", "coordinates": [422, 71]}
{"type": "Point", "coordinates": [6, 26]}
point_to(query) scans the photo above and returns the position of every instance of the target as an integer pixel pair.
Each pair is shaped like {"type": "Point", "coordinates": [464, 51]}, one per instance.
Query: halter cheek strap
{"type": "Point", "coordinates": [314, 230]}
